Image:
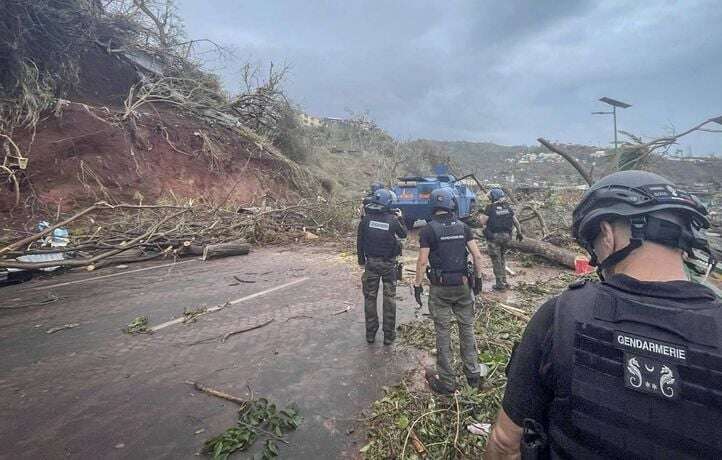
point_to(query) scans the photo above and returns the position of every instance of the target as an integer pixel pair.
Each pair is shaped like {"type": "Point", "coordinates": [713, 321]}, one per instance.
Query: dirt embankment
{"type": "Point", "coordinates": [83, 154]}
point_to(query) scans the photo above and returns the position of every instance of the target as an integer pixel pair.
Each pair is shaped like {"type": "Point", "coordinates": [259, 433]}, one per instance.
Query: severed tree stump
{"type": "Point", "coordinates": [232, 248]}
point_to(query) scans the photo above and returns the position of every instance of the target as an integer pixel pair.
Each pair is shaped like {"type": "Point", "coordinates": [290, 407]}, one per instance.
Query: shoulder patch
{"type": "Point", "coordinates": [577, 283]}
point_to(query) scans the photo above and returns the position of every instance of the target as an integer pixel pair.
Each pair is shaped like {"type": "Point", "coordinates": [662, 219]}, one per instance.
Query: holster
{"type": "Point", "coordinates": [471, 275]}
{"type": "Point", "coordinates": [534, 442]}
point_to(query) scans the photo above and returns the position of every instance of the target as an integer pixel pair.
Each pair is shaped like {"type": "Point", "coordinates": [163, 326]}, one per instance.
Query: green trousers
{"type": "Point", "coordinates": [445, 304]}
{"type": "Point", "coordinates": [380, 270]}
{"type": "Point", "coordinates": [497, 244]}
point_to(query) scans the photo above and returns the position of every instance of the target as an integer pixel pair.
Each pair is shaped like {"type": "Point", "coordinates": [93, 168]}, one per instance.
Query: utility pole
{"type": "Point", "coordinates": [614, 103]}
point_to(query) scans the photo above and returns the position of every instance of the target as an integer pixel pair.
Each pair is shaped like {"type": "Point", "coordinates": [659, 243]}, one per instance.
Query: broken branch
{"type": "Point", "coordinates": [258, 326]}
{"type": "Point", "coordinates": [567, 156]}
{"type": "Point", "coordinates": [217, 393]}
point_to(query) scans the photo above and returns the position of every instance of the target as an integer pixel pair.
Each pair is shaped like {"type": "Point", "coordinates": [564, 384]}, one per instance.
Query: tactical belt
{"type": "Point", "coordinates": [381, 258]}
{"type": "Point", "coordinates": [438, 277]}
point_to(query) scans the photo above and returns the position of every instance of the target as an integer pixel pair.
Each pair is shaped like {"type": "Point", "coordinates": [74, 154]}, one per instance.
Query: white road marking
{"type": "Point", "coordinates": [68, 283]}
{"type": "Point", "coordinates": [232, 302]}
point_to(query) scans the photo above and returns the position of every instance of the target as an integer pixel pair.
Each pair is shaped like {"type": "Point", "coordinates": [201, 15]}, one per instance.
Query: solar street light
{"type": "Point", "coordinates": [615, 103]}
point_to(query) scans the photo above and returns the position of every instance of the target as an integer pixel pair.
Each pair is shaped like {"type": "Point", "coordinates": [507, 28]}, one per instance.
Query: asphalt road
{"type": "Point", "coordinates": [95, 392]}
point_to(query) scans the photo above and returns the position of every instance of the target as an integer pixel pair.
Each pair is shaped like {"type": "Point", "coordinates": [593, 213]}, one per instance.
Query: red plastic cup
{"type": "Point", "coordinates": [582, 267]}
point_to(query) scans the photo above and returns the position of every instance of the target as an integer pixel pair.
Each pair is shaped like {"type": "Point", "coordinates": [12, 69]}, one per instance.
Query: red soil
{"type": "Point", "coordinates": [79, 157]}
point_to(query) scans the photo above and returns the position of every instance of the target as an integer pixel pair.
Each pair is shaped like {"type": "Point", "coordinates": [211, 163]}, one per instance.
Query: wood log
{"type": "Point", "coordinates": [232, 248]}
{"type": "Point", "coordinates": [190, 249]}
{"type": "Point", "coordinates": [548, 251]}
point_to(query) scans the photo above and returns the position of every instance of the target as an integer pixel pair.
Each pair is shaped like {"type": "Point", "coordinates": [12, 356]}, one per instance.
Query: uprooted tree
{"type": "Point", "coordinates": [46, 45]}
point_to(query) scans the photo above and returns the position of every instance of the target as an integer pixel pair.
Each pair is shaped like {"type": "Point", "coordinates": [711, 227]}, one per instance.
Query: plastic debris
{"type": "Point", "coordinates": [479, 429]}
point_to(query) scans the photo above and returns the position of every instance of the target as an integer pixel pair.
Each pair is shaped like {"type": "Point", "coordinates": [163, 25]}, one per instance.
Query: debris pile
{"type": "Point", "coordinates": [106, 234]}
{"type": "Point", "coordinates": [152, 126]}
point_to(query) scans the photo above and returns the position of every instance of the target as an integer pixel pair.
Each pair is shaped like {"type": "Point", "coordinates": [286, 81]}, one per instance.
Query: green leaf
{"type": "Point", "coordinates": [402, 422]}
{"type": "Point", "coordinates": [272, 448]}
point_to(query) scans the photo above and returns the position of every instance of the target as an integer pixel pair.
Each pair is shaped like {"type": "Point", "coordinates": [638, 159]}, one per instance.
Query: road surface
{"type": "Point", "coordinates": [95, 392]}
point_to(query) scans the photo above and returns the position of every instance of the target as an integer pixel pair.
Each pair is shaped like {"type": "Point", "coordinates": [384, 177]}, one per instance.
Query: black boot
{"type": "Point", "coordinates": [473, 382]}
{"type": "Point", "coordinates": [370, 336]}
{"type": "Point", "coordinates": [438, 387]}
{"type": "Point", "coordinates": [499, 287]}
{"type": "Point", "coordinates": [389, 339]}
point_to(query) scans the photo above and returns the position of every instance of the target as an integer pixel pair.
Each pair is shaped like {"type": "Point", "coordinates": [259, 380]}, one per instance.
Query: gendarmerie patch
{"type": "Point", "coordinates": [650, 364]}
{"type": "Point", "coordinates": [379, 225]}
{"type": "Point", "coordinates": [651, 376]}
{"type": "Point", "coordinates": [452, 237]}
{"type": "Point", "coordinates": [650, 347]}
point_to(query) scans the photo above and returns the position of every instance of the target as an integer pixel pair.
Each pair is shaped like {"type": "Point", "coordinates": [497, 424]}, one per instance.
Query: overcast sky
{"type": "Point", "coordinates": [500, 71]}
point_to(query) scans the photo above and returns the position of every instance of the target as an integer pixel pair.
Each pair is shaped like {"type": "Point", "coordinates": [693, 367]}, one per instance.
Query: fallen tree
{"type": "Point", "coordinates": [103, 233]}
{"type": "Point", "coordinates": [546, 250]}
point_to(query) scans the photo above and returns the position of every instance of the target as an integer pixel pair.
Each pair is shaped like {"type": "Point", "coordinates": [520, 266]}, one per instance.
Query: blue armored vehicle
{"type": "Point", "coordinates": [414, 193]}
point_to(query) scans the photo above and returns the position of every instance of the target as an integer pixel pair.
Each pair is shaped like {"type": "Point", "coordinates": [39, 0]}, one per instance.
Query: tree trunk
{"type": "Point", "coordinates": [232, 248]}
{"type": "Point", "coordinates": [548, 251]}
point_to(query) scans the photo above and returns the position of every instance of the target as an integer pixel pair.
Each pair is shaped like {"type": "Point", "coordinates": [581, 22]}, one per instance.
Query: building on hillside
{"type": "Point", "coordinates": [363, 123]}
{"type": "Point", "coordinates": [309, 120]}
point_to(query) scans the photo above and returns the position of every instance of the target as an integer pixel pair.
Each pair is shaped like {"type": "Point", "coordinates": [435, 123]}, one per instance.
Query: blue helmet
{"type": "Point", "coordinates": [383, 197]}
{"type": "Point", "coordinates": [443, 198]}
{"type": "Point", "coordinates": [496, 194]}
{"type": "Point", "coordinates": [376, 186]}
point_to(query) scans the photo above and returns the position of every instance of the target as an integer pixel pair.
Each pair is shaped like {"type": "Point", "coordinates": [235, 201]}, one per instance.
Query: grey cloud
{"type": "Point", "coordinates": [506, 72]}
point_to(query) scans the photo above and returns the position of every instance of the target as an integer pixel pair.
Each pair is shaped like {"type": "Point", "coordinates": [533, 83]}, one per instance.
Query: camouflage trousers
{"type": "Point", "coordinates": [497, 244]}
{"type": "Point", "coordinates": [380, 270]}
{"type": "Point", "coordinates": [445, 304]}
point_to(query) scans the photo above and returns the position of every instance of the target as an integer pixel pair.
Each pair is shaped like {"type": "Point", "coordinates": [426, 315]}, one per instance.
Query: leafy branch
{"type": "Point", "coordinates": [258, 418]}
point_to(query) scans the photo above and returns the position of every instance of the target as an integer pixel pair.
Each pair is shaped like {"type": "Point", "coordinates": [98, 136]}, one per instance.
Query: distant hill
{"type": "Point", "coordinates": [535, 164]}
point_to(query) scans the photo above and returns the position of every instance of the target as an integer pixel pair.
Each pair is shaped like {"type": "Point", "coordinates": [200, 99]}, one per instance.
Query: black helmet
{"type": "Point", "coordinates": [637, 195]}
{"type": "Point", "coordinates": [443, 198]}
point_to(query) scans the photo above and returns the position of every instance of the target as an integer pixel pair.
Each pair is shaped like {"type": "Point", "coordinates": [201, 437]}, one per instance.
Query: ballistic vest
{"type": "Point", "coordinates": [379, 236]}
{"type": "Point", "coordinates": [500, 218]}
{"type": "Point", "coordinates": [635, 377]}
{"type": "Point", "coordinates": [449, 254]}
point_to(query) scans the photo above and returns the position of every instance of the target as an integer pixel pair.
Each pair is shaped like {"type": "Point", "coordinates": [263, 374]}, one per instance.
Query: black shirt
{"type": "Point", "coordinates": [530, 384]}
{"type": "Point", "coordinates": [427, 238]}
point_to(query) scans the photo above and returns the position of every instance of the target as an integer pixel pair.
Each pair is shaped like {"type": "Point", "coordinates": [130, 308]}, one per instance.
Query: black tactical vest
{"type": "Point", "coordinates": [447, 260]}
{"type": "Point", "coordinates": [500, 218]}
{"type": "Point", "coordinates": [636, 377]}
{"type": "Point", "coordinates": [379, 236]}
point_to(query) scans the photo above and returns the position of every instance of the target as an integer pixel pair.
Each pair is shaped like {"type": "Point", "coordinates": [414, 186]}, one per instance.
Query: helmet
{"type": "Point", "coordinates": [383, 197]}
{"type": "Point", "coordinates": [496, 194]}
{"type": "Point", "coordinates": [443, 198]}
{"type": "Point", "coordinates": [376, 186]}
{"type": "Point", "coordinates": [639, 195]}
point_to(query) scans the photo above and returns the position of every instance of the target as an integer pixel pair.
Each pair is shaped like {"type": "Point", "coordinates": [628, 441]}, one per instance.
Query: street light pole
{"type": "Point", "coordinates": [614, 115]}
{"type": "Point", "coordinates": [614, 103]}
